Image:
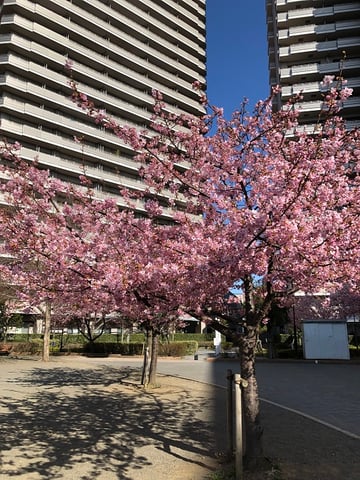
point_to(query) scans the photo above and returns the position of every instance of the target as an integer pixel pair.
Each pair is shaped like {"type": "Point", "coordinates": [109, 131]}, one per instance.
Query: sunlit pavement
{"type": "Point", "coordinates": [327, 392]}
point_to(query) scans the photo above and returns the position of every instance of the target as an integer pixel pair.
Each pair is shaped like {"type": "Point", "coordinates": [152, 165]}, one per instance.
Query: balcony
{"type": "Point", "coordinates": [97, 62]}
{"type": "Point", "coordinates": [190, 18]}
{"type": "Point", "coordinates": [317, 106]}
{"type": "Point", "coordinates": [291, 17]}
{"type": "Point", "coordinates": [135, 96]}
{"type": "Point", "coordinates": [54, 125]}
{"type": "Point", "coordinates": [98, 43]}
{"type": "Point", "coordinates": [56, 162]}
{"type": "Point", "coordinates": [98, 176]}
{"type": "Point", "coordinates": [303, 49]}
{"type": "Point", "coordinates": [40, 94]}
{"type": "Point", "coordinates": [313, 87]}
{"type": "Point", "coordinates": [318, 68]}
{"type": "Point", "coordinates": [315, 30]}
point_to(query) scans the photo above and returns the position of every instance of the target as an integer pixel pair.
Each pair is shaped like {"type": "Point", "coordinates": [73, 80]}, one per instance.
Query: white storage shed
{"type": "Point", "coordinates": [325, 340]}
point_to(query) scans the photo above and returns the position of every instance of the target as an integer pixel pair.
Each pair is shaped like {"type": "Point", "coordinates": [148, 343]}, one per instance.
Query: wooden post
{"type": "Point", "coordinates": [230, 412]}
{"type": "Point", "coordinates": [238, 429]}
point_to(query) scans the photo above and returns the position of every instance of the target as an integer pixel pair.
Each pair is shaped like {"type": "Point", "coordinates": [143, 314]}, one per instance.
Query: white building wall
{"type": "Point", "coordinates": [121, 50]}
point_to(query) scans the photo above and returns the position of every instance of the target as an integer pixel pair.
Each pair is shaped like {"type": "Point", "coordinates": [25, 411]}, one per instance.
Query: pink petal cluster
{"type": "Point", "coordinates": [249, 202]}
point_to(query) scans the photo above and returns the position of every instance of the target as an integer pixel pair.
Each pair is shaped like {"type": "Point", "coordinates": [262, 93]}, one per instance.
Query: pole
{"type": "Point", "coordinates": [230, 412]}
{"type": "Point", "coordinates": [238, 429]}
{"type": "Point", "coordinates": [295, 332]}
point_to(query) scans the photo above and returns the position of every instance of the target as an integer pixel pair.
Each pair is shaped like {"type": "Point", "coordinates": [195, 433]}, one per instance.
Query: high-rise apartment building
{"type": "Point", "coordinates": [307, 40]}
{"type": "Point", "coordinates": [121, 50]}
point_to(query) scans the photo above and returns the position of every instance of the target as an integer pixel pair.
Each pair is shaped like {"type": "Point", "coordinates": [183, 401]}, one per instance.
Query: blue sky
{"type": "Point", "coordinates": [237, 62]}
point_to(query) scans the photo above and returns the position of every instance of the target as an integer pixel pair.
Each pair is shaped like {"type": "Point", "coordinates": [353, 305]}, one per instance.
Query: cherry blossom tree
{"type": "Point", "coordinates": [340, 304]}
{"type": "Point", "coordinates": [81, 257]}
{"type": "Point", "coordinates": [264, 200]}
{"type": "Point", "coordinates": [50, 260]}
{"type": "Point", "coordinates": [254, 200]}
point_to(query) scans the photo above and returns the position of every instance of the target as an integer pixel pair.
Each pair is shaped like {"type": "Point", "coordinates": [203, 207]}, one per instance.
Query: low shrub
{"type": "Point", "coordinates": [71, 338]}
{"type": "Point", "coordinates": [289, 353]}
{"type": "Point", "coordinates": [178, 349]}
{"type": "Point", "coordinates": [29, 348]}
{"type": "Point", "coordinates": [206, 344]}
{"type": "Point", "coordinates": [5, 348]}
{"type": "Point", "coordinates": [175, 349]}
{"type": "Point", "coordinates": [72, 348]}
{"type": "Point", "coordinates": [137, 337]}
{"type": "Point", "coordinates": [24, 337]}
{"type": "Point", "coordinates": [116, 348]}
{"type": "Point", "coordinates": [132, 348]}
{"type": "Point", "coordinates": [227, 345]}
{"type": "Point", "coordinates": [354, 351]}
{"type": "Point", "coordinates": [198, 337]}
{"type": "Point", "coordinates": [354, 340]}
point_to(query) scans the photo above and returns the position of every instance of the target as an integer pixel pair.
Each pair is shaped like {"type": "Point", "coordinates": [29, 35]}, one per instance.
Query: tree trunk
{"type": "Point", "coordinates": [147, 359]}
{"type": "Point", "coordinates": [47, 329]}
{"type": "Point", "coordinates": [154, 358]}
{"type": "Point", "coordinates": [253, 429]}
{"type": "Point", "coordinates": [271, 341]}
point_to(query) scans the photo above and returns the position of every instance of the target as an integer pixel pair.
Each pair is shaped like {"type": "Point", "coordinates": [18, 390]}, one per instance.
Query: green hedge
{"type": "Point", "coordinates": [206, 344]}
{"type": "Point", "coordinates": [29, 348]}
{"type": "Point", "coordinates": [118, 348]}
{"type": "Point", "coordinates": [176, 349]}
{"type": "Point", "coordinates": [289, 353]}
{"type": "Point", "coordinates": [201, 338]}
{"type": "Point", "coordinates": [354, 351]}
{"type": "Point", "coordinates": [23, 337]}
{"type": "Point", "coordinates": [198, 337]}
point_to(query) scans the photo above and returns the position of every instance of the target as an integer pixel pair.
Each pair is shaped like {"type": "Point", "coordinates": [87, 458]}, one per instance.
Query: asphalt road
{"type": "Point", "coordinates": [327, 393]}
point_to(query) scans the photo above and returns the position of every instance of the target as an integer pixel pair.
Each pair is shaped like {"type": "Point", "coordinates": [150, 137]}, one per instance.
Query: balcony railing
{"type": "Point", "coordinates": [322, 68]}
{"type": "Point", "coordinates": [311, 12]}
{"type": "Point", "coordinates": [76, 51]}
{"type": "Point", "coordinates": [311, 87]}
{"type": "Point", "coordinates": [105, 45]}
{"type": "Point", "coordinates": [139, 96]}
{"type": "Point", "coordinates": [318, 105]}
{"type": "Point", "coordinates": [313, 47]}
{"type": "Point", "coordinates": [319, 29]}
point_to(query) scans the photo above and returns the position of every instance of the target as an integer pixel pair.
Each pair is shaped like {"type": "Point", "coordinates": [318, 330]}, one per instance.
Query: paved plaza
{"type": "Point", "coordinates": [76, 418]}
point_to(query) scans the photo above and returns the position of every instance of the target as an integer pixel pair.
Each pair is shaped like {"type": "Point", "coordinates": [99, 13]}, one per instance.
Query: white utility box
{"type": "Point", "coordinates": [325, 340]}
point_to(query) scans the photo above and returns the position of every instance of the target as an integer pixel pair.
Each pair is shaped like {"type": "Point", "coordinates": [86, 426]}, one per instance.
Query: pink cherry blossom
{"type": "Point", "coordinates": [251, 205]}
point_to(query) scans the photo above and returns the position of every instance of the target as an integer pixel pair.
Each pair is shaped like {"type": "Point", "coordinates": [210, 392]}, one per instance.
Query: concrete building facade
{"type": "Point", "coordinates": [121, 50]}
{"type": "Point", "coordinates": [308, 39]}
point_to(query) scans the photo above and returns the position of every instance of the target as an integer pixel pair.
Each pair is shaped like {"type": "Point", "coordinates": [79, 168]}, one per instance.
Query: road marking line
{"type": "Point", "coordinates": [298, 412]}
{"type": "Point", "coordinates": [314, 419]}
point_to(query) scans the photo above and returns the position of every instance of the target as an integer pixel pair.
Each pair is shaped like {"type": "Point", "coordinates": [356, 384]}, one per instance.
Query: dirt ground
{"type": "Point", "coordinates": [74, 420]}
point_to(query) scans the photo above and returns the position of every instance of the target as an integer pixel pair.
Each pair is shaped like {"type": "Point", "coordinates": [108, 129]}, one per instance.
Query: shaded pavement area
{"type": "Point", "coordinates": [70, 419]}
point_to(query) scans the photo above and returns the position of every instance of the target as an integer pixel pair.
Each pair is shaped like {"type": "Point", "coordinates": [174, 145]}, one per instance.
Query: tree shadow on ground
{"type": "Point", "coordinates": [308, 450]}
{"type": "Point", "coordinates": [50, 376]}
{"type": "Point", "coordinates": [82, 423]}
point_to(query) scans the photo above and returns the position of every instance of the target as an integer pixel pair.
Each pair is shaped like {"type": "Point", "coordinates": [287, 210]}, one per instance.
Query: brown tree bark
{"type": "Point", "coordinates": [154, 358]}
{"type": "Point", "coordinates": [147, 359]}
{"type": "Point", "coordinates": [47, 330]}
{"type": "Point", "coordinates": [253, 429]}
